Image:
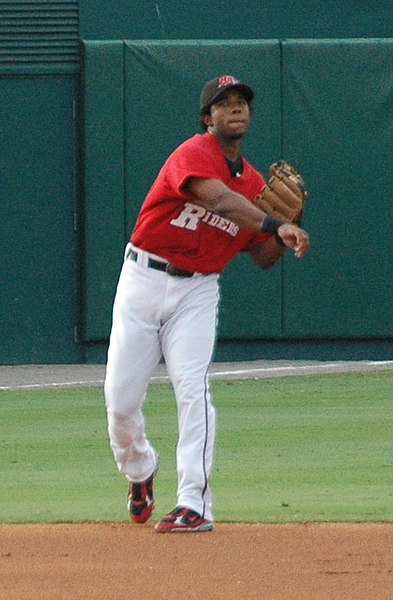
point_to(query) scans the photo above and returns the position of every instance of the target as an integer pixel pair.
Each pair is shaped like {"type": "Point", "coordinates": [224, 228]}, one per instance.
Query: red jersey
{"type": "Point", "coordinates": [187, 235]}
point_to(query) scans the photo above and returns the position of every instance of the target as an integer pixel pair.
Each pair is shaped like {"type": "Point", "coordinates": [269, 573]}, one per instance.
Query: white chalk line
{"type": "Point", "coordinates": [59, 384]}
{"type": "Point", "coordinates": [252, 372]}
{"type": "Point", "coordinates": [299, 368]}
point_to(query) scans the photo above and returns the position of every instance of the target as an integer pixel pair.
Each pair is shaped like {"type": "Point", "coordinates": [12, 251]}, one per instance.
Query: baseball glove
{"type": "Point", "coordinates": [284, 195]}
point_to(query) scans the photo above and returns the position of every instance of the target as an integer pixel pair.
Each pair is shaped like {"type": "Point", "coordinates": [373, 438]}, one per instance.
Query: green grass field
{"type": "Point", "coordinates": [312, 448]}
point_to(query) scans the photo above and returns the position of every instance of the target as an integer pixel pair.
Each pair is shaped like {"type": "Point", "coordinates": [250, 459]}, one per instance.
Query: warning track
{"type": "Point", "coordinates": [20, 377]}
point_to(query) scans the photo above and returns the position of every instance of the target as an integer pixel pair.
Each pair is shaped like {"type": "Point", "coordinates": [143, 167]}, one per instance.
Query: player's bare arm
{"type": "Point", "coordinates": [214, 195]}
{"type": "Point", "coordinates": [268, 254]}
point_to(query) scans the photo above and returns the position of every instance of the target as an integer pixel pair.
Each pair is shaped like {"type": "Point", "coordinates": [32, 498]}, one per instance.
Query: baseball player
{"type": "Point", "coordinates": [198, 214]}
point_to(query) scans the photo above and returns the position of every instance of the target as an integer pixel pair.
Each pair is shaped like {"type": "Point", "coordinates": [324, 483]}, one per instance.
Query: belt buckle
{"type": "Point", "coordinates": [171, 270]}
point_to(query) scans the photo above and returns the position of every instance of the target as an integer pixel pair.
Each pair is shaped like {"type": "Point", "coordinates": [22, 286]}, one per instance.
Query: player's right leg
{"type": "Point", "coordinates": [134, 352]}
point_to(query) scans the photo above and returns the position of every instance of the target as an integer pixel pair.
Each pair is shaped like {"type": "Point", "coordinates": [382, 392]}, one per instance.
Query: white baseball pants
{"type": "Point", "coordinates": [154, 315]}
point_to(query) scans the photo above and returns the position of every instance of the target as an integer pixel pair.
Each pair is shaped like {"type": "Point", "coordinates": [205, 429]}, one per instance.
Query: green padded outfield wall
{"type": "Point", "coordinates": [338, 116]}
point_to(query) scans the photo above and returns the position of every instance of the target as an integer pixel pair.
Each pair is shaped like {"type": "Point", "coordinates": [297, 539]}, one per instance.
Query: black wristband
{"type": "Point", "coordinates": [279, 240]}
{"type": "Point", "coordinates": [271, 224]}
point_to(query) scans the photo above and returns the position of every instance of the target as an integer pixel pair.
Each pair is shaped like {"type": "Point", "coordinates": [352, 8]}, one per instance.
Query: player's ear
{"type": "Point", "coordinates": [207, 119]}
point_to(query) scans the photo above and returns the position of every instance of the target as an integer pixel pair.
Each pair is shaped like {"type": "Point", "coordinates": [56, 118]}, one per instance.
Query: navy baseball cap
{"type": "Point", "coordinates": [213, 89]}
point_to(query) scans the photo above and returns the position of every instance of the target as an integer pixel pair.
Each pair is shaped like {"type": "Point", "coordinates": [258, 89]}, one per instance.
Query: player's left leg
{"type": "Point", "coordinates": [188, 339]}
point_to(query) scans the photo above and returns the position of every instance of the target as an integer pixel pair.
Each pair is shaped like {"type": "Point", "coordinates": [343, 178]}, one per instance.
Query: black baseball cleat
{"type": "Point", "coordinates": [141, 498]}
{"type": "Point", "coordinates": [181, 520]}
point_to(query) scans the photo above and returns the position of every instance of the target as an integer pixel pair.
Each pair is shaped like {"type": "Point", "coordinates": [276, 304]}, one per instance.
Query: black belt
{"type": "Point", "coordinates": [161, 266]}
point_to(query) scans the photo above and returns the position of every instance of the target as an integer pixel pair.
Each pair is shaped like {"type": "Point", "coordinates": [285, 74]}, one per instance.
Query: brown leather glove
{"type": "Point", "coordinates": [284, 195]}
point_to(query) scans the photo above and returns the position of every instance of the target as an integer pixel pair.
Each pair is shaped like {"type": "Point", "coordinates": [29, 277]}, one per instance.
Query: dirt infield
{"type": "Point", "coordinates": [256, 562]}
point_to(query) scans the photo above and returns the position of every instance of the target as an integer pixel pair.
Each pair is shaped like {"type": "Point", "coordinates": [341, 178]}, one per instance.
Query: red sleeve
{"type": "Point", "coordinates": [193, 159]}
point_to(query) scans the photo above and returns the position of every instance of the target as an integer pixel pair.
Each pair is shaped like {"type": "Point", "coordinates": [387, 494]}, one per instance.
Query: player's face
{"type": "Point", "coordinates": [230, 116]}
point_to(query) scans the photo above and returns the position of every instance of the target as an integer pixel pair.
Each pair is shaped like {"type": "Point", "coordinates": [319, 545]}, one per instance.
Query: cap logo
{"type": "Point", "coordinates": [226, 80]}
